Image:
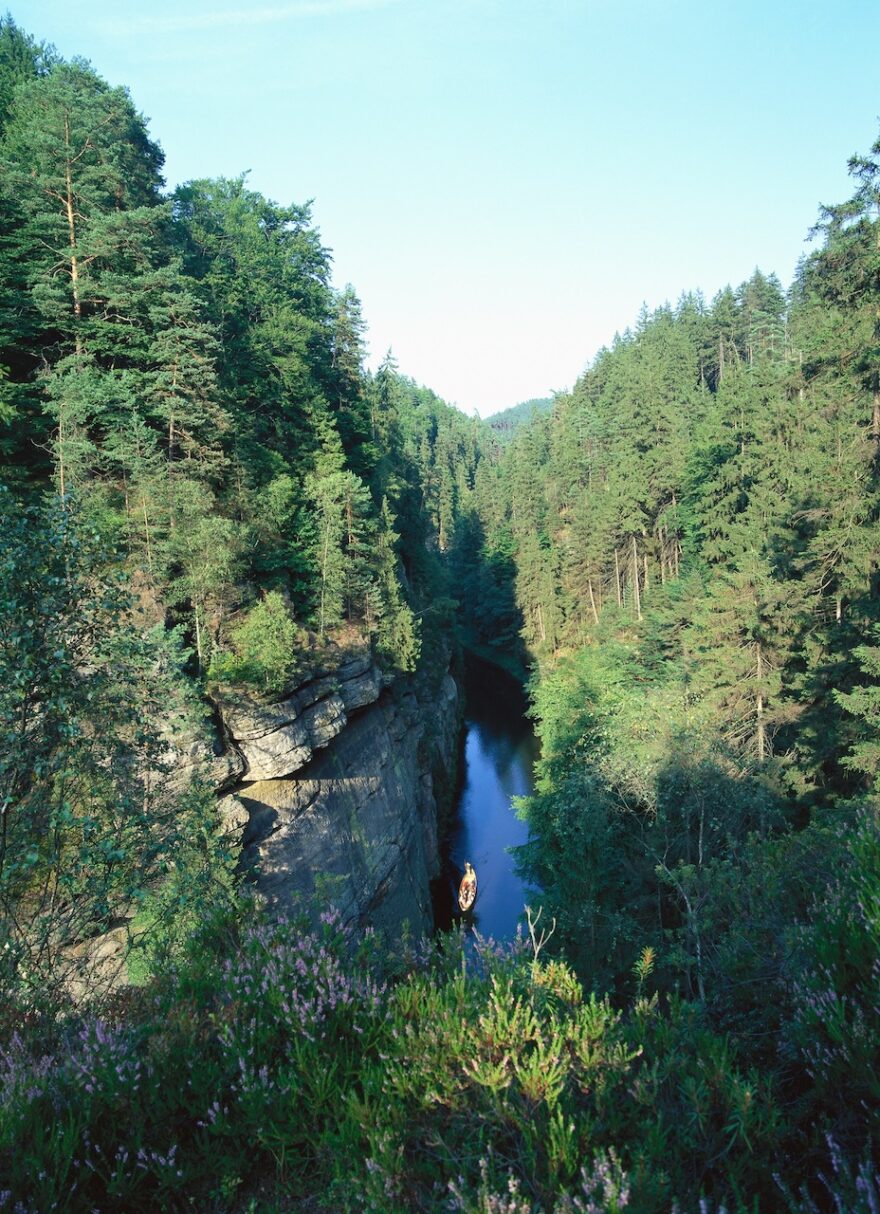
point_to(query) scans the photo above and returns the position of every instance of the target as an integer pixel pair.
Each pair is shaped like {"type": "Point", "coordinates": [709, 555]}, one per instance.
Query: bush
{"type": "Point", "coordinates": [287, 1061]}
{"type": "Point", "coordinates": [264, 648]}
{"type": "Point", "coordinates": [836, 1023]}
{"type": "Point", "coordinates": [94, 818]}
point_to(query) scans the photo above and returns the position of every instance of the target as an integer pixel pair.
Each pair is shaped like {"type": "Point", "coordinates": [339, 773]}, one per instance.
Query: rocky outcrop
{"type": "Point", "coordinates": [334, 792]}
{"type": "Point", "coordinates": [330, 795]}
{"type": "Point", "coordinates": [275, 740]}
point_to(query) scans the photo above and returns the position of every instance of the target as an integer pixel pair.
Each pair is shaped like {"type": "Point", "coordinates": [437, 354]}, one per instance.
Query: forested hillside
{"type": "Point", "coordinates": [181, 368]}
{"type": "Point", "coordinates": [695, 569]}
{"type": "Point", "coordinates": [505, 424]}
{"type": "Point", "coordinates": [205, 494]}
{"type": "Point", "coordinates": [696, 572]}
{"type": "Point", "coordinates": [203, 490]}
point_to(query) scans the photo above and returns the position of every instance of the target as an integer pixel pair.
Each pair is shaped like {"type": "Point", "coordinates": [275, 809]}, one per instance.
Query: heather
{"type": "Point", "coordinates": [276, 1066]}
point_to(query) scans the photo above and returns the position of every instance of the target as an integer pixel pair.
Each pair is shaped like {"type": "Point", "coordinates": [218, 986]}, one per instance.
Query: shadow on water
{"type": "Point", "coordinates": [500, 749]}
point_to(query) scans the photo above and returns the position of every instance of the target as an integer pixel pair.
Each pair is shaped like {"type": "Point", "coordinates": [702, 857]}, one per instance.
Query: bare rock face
{"type": "Point", "coordinates": [226, 770]}
{"type": "Point", "coordinates": [361, 690]}
{"type": "Point", "coordinates": [234, 818]}
{"type": "Point", "coordinates": [330, 792]}
{"type": "Point", "coordinates": [276, 740]}
{"type": "Point", "coordinates": [99, 965]}
{"type": "Point", "coordinates": [324, 720]}
{"type": "Point", "coordinates": [339, 793]}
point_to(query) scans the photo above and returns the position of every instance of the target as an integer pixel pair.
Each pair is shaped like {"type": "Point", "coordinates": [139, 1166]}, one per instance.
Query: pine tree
{"type": "Point", "coordinates": [22, 59]}
{"type": "Point", "coordinates": [84, 172]}
{"type": "Point", "coordinates": [262, 275]}
{"type": "Point", "coordinates": [864, 702]}
{"type": "Point", "coordinates": [348, 394]}
{"type": "Point", "coordinates": [398, 639]}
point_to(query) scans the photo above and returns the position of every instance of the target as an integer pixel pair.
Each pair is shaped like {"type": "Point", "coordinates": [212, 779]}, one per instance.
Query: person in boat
{"type": "Point", "coordinates": [467, 891]}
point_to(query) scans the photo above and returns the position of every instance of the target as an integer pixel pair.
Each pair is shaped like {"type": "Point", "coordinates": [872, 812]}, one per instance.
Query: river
{"type": "Point", "coordinates": [500, 749]}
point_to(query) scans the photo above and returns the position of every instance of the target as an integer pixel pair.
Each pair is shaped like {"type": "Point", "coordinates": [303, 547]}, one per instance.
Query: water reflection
{"type": "Point", "coordinates": [499, 752]}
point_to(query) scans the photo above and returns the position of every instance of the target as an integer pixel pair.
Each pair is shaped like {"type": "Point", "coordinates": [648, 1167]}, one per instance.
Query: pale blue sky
{"type": "Point", "coordinates": [506, 181]}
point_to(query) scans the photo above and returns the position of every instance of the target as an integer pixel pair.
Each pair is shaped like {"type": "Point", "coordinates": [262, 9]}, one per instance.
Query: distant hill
{"type": "Point", "coordinates": [508, 420]}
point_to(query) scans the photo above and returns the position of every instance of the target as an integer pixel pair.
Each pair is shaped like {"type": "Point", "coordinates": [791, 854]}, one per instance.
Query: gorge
{"type": "Point", "coordinates": [499, 749]}
{"type": "Point", "coordinates": [336, 794]}
{"type": "Point", "coordinates": [240, 577]}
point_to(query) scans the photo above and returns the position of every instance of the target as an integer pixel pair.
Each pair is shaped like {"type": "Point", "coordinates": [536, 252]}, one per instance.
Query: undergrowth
{"type": "Point", "coordinates": [290, 1063]}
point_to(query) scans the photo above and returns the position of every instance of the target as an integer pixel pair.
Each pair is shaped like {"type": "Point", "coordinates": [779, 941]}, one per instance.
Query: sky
{"type": "Point", "coordinates": [506, 182]}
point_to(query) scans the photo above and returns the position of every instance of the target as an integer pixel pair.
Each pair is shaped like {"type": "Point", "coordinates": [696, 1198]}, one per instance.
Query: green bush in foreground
{"type": "Point", "coordinates": [469, 1079]}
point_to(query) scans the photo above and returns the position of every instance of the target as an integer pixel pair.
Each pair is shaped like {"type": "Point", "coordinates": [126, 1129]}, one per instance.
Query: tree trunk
{"type": "Point", "coordinates": [325, 557]}
{"type": "Point", "coordinates": [592, 601]}
{"type": "Point", "coordinates": [147, 530]}
{"type": "Point", "coordinates": [198, 636]}
{"type": "Point", "coordinates": [698, 948]}
{"type": "Point", "coordinates": [762, 729]}
{"type": "Point", "coordinates": [617, 577]}
{"type": "Point", "coordinates": [637, 598]}
{"type": "Point", "coordinates": [74, 287]}
{"type": "Point", "coordinates": [71, 228]}
{"type": "Point", "coordinates": [61, 486]}
{"type": "Point", "coordinates": [171, 434]}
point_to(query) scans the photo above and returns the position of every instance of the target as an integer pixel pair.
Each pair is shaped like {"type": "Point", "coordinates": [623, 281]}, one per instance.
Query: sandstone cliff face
{"type": "Point", "coordinates": [335, 792]}
{"type": "Point", "coordinates": [276, 740]}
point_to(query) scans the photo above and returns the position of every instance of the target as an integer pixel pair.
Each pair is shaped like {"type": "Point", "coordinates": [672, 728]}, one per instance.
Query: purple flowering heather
{"type": "Point", "coordinates": [488, 1201]}
{"type": "Point", "coordinates": [284, 991]}
{"type": "Point", "coordinates": [604, 1189]}
{"type": "Point", "coordinates": [23, 1076]}
{"type": "Point", "coordinates": [104, 1056]}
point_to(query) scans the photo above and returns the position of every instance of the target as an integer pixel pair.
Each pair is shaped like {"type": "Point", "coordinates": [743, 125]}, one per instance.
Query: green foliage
{"type": "Point", "coordinates": [92, 819]}
{"type": "Point", "coordinates": [685, 547]}
{"type": "Point", "coordinates": [265, 469]}
{"type": "Point", "coordinates": [397, 630]}
{"type": "Point", "coordinates": [695, 570]}
{"type": "Point", "coordinates": [265, 645]}
{"type": "Point", "coordinates": [864, 702]}
{"type": "Point", "coordinates": [280, 1061]}
{"type": "Point", "coordinates": [836, 1022]}
{"type": "Point", "coordinates": [200, 885]}
{"type": "Point", "coordinates": [505, 423]}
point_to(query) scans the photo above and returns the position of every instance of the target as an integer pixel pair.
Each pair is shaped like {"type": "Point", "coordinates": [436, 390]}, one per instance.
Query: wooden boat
{"type": "Point", "coordinates": [467, 891]}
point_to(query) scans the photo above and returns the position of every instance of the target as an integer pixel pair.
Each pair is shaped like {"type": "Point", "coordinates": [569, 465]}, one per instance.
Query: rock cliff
{"type": "Point", "coordinates": [334, 790]}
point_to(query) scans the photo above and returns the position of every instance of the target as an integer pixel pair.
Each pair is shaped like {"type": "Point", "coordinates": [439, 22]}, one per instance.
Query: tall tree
{"type": "Point", "coordinates": [83, 169]}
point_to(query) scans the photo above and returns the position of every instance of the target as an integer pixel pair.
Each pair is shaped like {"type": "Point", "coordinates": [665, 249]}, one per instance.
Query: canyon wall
{"type": "Point", "coordinates": [334, 791]}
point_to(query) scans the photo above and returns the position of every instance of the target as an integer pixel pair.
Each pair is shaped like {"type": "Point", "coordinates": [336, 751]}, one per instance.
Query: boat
{"type": "Point", "coordinates": [467, 891]}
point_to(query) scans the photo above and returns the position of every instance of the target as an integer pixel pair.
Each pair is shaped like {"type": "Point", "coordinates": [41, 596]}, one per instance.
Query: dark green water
{"type": "Point", "coordinates": [500, 749]}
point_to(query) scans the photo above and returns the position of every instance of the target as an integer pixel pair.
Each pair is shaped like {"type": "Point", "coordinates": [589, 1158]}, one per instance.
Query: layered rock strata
{"type": "Point", "coordinates": [335, 791]}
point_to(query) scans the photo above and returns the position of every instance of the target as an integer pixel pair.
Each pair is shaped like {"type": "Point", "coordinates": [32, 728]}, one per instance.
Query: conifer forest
{"type": "Point", "coordinates": [208, 501]}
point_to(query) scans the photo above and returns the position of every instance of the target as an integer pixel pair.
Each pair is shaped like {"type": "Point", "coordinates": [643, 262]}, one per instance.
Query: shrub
{"type": "Point", "coordinates": [264, 648]}
{"type": "Point", "coordinates": [283, 1060]}
{"type": "Point", "coordinates": [836, 1023]}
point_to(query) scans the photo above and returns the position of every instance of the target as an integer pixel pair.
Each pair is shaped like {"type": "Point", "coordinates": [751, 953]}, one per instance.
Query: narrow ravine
{"type": "Point", "coordinates": [500, 749]}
